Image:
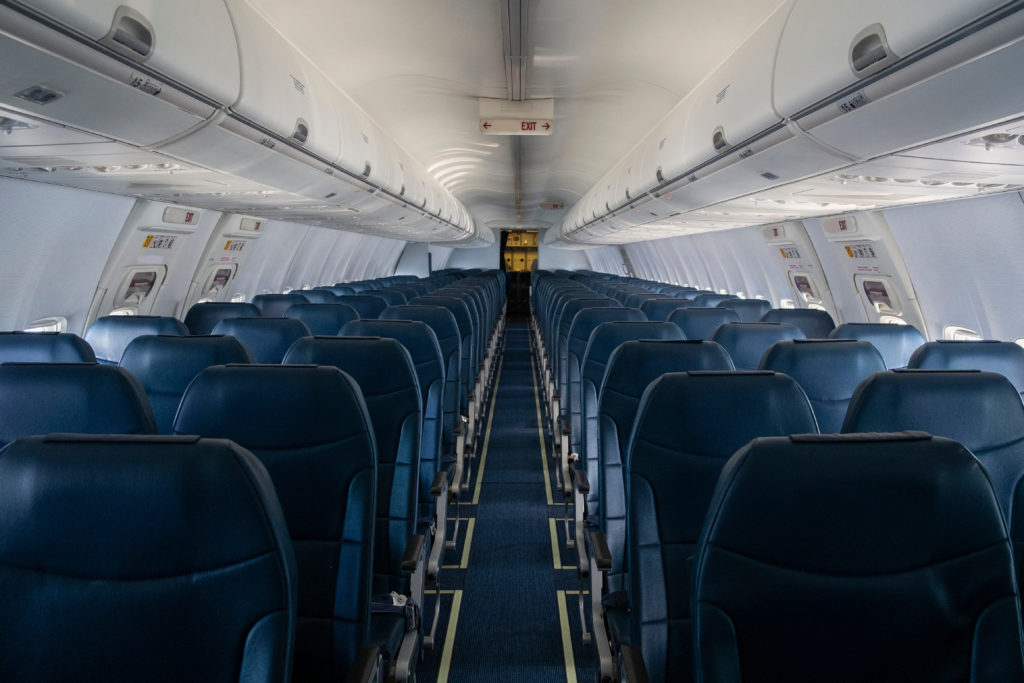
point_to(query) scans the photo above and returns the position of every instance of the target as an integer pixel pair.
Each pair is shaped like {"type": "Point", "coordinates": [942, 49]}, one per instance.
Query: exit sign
{"type": "Point", "coordinates": [495, 126]}
{"type": "Point", "coordinates": [523, 117]}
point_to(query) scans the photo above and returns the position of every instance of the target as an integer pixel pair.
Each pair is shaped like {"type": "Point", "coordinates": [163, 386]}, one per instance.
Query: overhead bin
{"type": "Point", "coordinates": [164, 36]}
{"type": "Point", "coordinates": [818, 58]}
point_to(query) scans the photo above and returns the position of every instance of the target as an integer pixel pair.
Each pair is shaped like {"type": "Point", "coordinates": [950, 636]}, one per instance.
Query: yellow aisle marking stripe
{"type": "Point", "coordinates": [555, 550]}
{"type": "Point", "coordinates": [487, 435]}
{"type": "Point", "coordinates": [449, 639]}
{"type": "Point", "coordinates": [464, 562]}
{"type": "Point", "coordinates": [563, 620]}
{"type": "Point", "coordinates": [540, 433]}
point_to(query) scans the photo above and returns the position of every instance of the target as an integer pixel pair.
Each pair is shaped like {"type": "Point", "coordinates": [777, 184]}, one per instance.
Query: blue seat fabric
{"type": "Point", "coordinates": [274, 305]}
{"type": "Point", "coordinates": [268, 339]}
{"type": "Point", "coordinates": [700, 323]}
{"type": "Point", "coordinates": [44, 347]}
{"type": "Point", "coordinates": [746, 343]}
{"type": "Point", "coordinates": [1006, 358]}
{"type": "Point", "coordinates": [660, 309]}
{"type": "Point", "coordinates": [896, 343]}
{"type": "Point", "coordinates": [323, 319]}
{"type": "Point", "coordinates": [369, 306]}
{"type": "Point", "coordinates": [815, 323]}
{"type": "Point", "coordinates": [109, 336]}
{"type": "Point", "coordinates": [202, 318]}
{"type": "Point", "coordinates": [749, 310]}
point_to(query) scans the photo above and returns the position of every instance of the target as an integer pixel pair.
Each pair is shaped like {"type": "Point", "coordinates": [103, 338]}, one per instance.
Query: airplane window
{"type": "Point", "coordinates": [288, 290]}
{"type": "Point", "coordinates": [239, 298]}
{"type": "Point", "coordinates": [723, 291]}
{"type": "Point", "coordinates": [1019, 342]}
{"type": "Point", "coordinates": [817, 307]}
{"type": "Point", "coordinates": [879, 297]}
{"type": "Point", "coordinates": [53, 323]}
{"type": "Point", "coordinates": [892, 320]}
{"type": "Point", "coordinates": [803, 285]}
{"type": "Point", "coordinates": [957, 333]}
{"type": "Point", "coordinates": [125, 310]}
{"type": "Point", "coordinates": [787, 303]}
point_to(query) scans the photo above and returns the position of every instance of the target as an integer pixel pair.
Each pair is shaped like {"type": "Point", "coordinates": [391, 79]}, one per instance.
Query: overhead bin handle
{"type": "Point", "coordinates": [130, 34]}
{"type": "Point", "coordinates": [718, 139]}
{"type": "Point", "coordinates": [869, 51]}
{"type": "Point", "coordinates": [301, 133]}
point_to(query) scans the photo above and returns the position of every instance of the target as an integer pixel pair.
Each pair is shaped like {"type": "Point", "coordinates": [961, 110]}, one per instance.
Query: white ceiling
{"type": "Point", "coordinates": [614, 68]}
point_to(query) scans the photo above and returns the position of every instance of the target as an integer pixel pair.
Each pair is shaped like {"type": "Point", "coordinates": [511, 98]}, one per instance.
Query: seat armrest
{"type": "Point", "coordinates": [582, 480]}
{"type": "Point", "coordinates": [366, 667]}
{"type": "Point", "coordinates": [413, 550]}
{"type": "Point", "coordinates": [599, 550]}
{"type": "Point", "coordinates": [633, 664]}
{"type": "Point", "coordinates": [440, 479]}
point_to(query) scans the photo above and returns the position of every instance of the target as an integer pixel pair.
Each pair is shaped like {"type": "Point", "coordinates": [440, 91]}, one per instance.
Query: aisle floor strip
{"type": "Point", "coordinates": [540, 430]}
{"type": "Point", "coordinates": [556, 552]}
{"type": "Point", "coordinates": [449, 639]}
{"type": "Point", "coordinates": [487, 435]}
{"type": "Point", "coordinates": [570, 658]}
{"type": "Point", "coordinates": [466, 543]}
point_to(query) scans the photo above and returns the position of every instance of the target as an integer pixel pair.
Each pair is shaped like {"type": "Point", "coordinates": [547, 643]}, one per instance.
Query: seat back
{"type": "Point", "coordinates": [142, 559]}
{"type": "Point", "coordinates": [712, 300]}
{"type": "Point", "coordinates": [274, 305]}
{"type": "Point", "coordinates": [165, 366]}
{"type": "Point", "coordinates": [323, 319]}
{"type": "Point", "coordinates": [749, 310]}
{"type": "Point", "coordinates": [746, 343]}
{"type": "Point", "coordinates": [1006, 358]}
{"type": "Point", "coordinates": [84, 398]}
{"type": "Point", "coordinates": [368, 305]}
{"type": "Point", "coordinates": [631, 368]}
{"type": "Point", "coordinates": [44, 347]}
{"type": "Point", "coordinates": [385, 374]}
{"type": "Point", "coordinates": [268, 339]}
{"type": "Point", "coordinates": [421, 343]}
{"type": "Point", "coordinates": [316, 296]}
{"type": "Point", "coordinates": [828, 370]}
{"type": "Point", "coordinates": [916, 586]}
{"type": "Point", "coordinates": [660, 309]}
{"type": "Point", "coordinates": [561, 337]}
{"type": "Point", "coordinates": [896, 343]}
{"type": "Point", "coordinates": [815, 323]}
{"type": "Point", "coordinates": [443, 324]}
{"type": "Point", "coordinates": [467, 346]}
{"type": "Point", "coordinates": [701, 323]}
{"type": "Point", "coordinates": [202, 318]}
{"type": "Point", "coordinates": [392, 296]}
{"type": "Point", "coordinates": [981, 410]}
{"type": "Point", "coordinates": [309, 428]}
{"type": "Point", "coordinates": [687, 426]}
{"type": "Point", "coordinates": [110, 335]}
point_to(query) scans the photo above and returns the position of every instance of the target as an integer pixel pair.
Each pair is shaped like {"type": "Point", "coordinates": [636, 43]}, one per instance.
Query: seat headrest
{"type": "Point", "coordinates": [323, 319]}
{"type": "Point", "coordinates": [439, 318]}
{"type": "Point", "coordinates": [44, 347]}
{"type": "Point", "coordinates": [392, 296]}
{"type": "Point", "coordinates": [607, 337]}
{"type": "Point", "coordinates": [268, 339]}
{"type": "Point", "coordinates": [318, 296]}
{"type": "Point", "coordinates": [369, 306]}
{"type": "Point", "coordinates": [896, 343]}
{"type": "Point", "coordinates": [1006, 358]}
{"type": "Point", "coordinates": [660, 309]}
{"type": "Point", "coordinates": [169, 363]}
{"type": "Point", "coordinates": [379, 366]}
{"type": "Point", "coordinates": [457, 307]}
{"type": "Point", "coordinates": [128, 549]}
{"type": "Point", "coordinates": [637, 363]}
{"type": "Point", "coordinates": [981, 410]}
{"type": "Point", "coordinates": [712, 300]}
{"type": "Point", "coordinates": [747, 342]}
{"type": "Point", "coordinates": [273, 406]}
{"type": "Point", "coordinates": [40, 398]}
{"type": "Point", "coordinates": [712, 414]}
{"type": "Point", "coordinates": [700, 323]}
{"type": "Point", "coordinates": [109, 336]}
{"type": "Point", "coordinates": [417, 337]}
{"type": "Point", "coordinates": [749, 310]}
{"type": "Point", "coordinates": [274, 305]}
{"type": "Point", "coordinates": [202, 318]}
{"type": "Point", "coordinates": [930, 502]}
{"type": "Point", "coordinates": [587, 320]}
{"type": "Point", "coordinates": [815, 323]}
{"type": "Point", "coordinates": [573, 306]}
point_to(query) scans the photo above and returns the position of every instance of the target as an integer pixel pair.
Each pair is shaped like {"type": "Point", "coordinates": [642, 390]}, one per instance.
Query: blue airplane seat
{"type": "Point", "coordinates": [274, 305]}
{"type": "Point", "coordinates": [323, 319]}
{"type": "Point", "coordinates": [85, 398]}
{"type": "Point", "coordinates": [603, 341]}
{"type": "Point", "coordinates": [421, 343]}
{"type": "Point", "coordinates": [368, 305]}
{"type": "Point", "coordinates": [564, 321]}
{"type": "Point", "coordinates": [746, 343]}
{"type": "Point", "coordinates": [1006, 358]}
{"type": "Point", "coordinates": [393, 296]}
{"type": "Point", "coordinates": [142, 558]}
{"type": "Point", "coordinates": [981, 410]}
{"type": "Point", "coordinates": [468, 362]}
{"type": "Point", "coordinates": [815, 323]}
{"type": "Point", "coordinates": [631, 368]}
{"type": "Point", "coordinates": [202, 318]}
{"type": "Point", "coordinates": [687, 426]}
{"type": "Point", "coordinates": [660, 309]}
{"type": "Point", "coordinates": [443, 324]}
{"type": "Point", "coordinates": [637, 299]}
{"type": "Point", "coordinates": [166, 365]}
{"type": "Point", "coordinates": [317, 296]}
{"type": "Point", "coordinates": [44, 347]}
{"type": "Point", "coordinates": [749, 310]}
{"type": "Point", "coordinates": [384, 371]}
{"type": "Point", "coordinates": [914, 582]}
{"type": "Point", "coordinates": [711, 300]}
{"type": "Point", "coordinates": [268, 339]}
{"type": "Point", "coordinates": [828, 370]}
{"type": "Point", "coordinates": [896, 343]}
{"type": "Point", "coordinates": [701, 323]}
{"type": "Point", "coordinates": [110, 335]}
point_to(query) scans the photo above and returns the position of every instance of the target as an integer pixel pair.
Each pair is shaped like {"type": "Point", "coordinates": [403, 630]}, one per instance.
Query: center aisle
{"type": "Point", "coordinates": [513, 620]}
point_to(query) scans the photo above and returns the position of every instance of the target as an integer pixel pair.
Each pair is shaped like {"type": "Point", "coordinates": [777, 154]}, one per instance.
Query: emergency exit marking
{"type": "Point", "coordinates": [158, 242]}
{"type": "Point", "coordinates": [516, 126]}
{"type": "Point", "coordinates": [234, 245]}
{"type": "Point", "coordinates": [860, 251]}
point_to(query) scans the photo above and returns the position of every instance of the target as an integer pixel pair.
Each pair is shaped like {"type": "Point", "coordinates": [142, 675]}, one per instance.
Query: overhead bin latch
{"type": "Point", "coordinates": [301, 133]}
{"type": "Point", "coordinates": [130, 34]}
{"type": "Point", "coordinates": [718, 139]}
{"type": "Point", "coordinates": [869, 51]}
